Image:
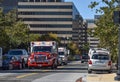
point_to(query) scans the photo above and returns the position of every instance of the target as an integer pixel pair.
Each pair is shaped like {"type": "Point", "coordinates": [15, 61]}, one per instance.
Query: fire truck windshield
{"type": "Point", "coordinates": [42, 49]}
{"type": "Point", "coordinates": [61, 53]}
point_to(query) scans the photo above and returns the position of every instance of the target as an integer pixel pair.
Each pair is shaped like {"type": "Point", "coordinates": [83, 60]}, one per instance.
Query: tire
{"type": "Point", "coordinates": [23, 65]}
{"type": "Point", "coordinates": [29, 67]}
{"type": "Point", "coordinates": [110, 71]}
{"type": "Point", "coordinates": [54, 65]}
{"type": "Point", "coordinates": [89, 71]}
{"type": "Point", "coordinates": [65, 63]}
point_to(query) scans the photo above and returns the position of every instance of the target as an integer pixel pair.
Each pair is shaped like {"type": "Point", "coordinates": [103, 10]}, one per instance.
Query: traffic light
{"type": "Point", "coordinates": [116, 17]}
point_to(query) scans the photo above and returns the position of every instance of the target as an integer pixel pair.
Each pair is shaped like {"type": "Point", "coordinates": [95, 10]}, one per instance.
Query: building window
{"type": "Point", "coordinates": [45, 13]}
{"type": "Point", "coordinates": [50, 26]}
{"type": "Point", "coordinates": [47, 19]}
{"type": "Point", "coordinates": [45, 6]}
{"type": "Point", "coordinates": [31, 0]}
{"type": "Point", "coordinates": [37, 0]}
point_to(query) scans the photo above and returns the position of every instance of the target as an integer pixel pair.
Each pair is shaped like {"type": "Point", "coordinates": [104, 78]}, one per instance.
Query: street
{"type": "Point", "coordinates": [67, 73]}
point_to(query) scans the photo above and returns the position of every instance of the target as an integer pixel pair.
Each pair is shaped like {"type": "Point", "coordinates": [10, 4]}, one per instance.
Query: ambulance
{"type": "Point", "coordinates": [43, 54]}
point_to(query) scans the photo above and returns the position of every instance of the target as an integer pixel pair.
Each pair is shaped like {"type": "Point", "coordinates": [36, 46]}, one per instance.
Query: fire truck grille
{"type": "Point", "coordinates": [40, 58]}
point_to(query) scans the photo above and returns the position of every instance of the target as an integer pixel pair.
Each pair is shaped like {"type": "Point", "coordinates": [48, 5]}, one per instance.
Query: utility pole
{"type": "Point", "coordinates": [117, 21]}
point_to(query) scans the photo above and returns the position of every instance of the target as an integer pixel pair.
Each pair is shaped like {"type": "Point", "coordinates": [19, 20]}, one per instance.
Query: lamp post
{"type": "Point", "coordinates": [117, 20]}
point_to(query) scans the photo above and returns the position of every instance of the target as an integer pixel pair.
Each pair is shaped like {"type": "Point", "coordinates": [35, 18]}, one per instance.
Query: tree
{"type": "Point", "coordinates": [105, 29]}
{"type": "Point", "coordinates": [13, 32]}
{"type": "Point", "coordinates": [73, 49]}
{"type": "Point", "coordinates": [49, 37]}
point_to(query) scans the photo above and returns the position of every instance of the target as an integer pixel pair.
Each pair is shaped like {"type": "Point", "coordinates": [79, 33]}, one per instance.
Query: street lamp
{"type": "Point", "coordinates": [117, 20]}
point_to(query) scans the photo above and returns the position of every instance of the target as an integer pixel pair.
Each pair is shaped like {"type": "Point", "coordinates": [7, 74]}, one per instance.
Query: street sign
{"type": "Point", "coordinates": [116, 17]}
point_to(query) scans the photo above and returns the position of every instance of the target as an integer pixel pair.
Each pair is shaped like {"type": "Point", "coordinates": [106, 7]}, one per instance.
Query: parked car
{"type": "Point", "coordinates": [84, 58]}
{"type": "Point", "coordinates": [21, 54]}
{"type": "Point", "coordinates": [11, 62]}
{"type": "Point", "coordinates": [99, 61]}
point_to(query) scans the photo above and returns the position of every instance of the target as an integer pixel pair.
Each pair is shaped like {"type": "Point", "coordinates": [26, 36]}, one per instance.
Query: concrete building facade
{"type": "Point", "coordinates": [93, 42]}
{"type": "Point", "coordinates": [52, 16]}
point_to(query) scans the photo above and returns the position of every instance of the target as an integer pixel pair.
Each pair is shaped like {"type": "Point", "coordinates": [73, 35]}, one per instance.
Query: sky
{"type": "Point", "coordinates": [82, 6]}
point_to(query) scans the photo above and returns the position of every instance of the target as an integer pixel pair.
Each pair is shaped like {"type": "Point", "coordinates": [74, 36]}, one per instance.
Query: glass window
{"type": "Point", "coordinates": [100, 56]}
{"type": "Point", "coordinates": [61, 53]}
{"type": "Point", "coordinates": [16, 52]}
{"type": "Point", "coordinates": [31, 0]}
{"type": "Point", "coordinates": [45, 6]}
{"type": "Point", "coordinates": [50, 25]}
{"type": "Point", "coordinates": [45, 13]}
{"type": "Point", "coordinates": [42, 49]}
{"type": "Point", "coordinates": [47, 19]}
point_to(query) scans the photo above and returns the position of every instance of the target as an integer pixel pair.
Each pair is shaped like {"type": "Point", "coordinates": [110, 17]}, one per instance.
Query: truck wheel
{"type": "Point", "coordinates": [89, 71]}
{"type": "Point", "coordinates": [29, 67]}
{"type": "Point", "coordinates": [109, 71]}
{"type": "Point", "coordinates": [54, 66]}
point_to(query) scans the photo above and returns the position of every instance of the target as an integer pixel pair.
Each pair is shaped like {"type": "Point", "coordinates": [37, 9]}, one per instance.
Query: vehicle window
{"type": "Point", "coordinates": [15, 52]}
{"type": "Point", "coordinates": [42, 49]}
{"type": "Point", "coordinates": [61, 53]}
{"type": "Point", "coordinates": [85, 57]}
{"type": "Point", "coordinates": [100, 56]}
{"type": "Point", "coordinates": [25, 52]}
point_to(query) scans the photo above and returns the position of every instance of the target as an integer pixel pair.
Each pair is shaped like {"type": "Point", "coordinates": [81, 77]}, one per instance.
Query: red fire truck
{"type": "Point", "coordinates": [43, 54]}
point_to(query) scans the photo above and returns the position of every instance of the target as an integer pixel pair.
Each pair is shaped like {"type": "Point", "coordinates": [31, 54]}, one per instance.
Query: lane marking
{"type": "Point", "coordinates": [26, 75]}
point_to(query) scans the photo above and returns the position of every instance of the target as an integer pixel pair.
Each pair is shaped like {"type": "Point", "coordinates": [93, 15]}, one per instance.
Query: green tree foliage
{"type": "Point", "coordinates": [74, 50]}
{"type": "Point", "coordinates": [105, 29]}
{"type": "Point", "coordinates": [13, 32]}
{"type": "Point", "coordinates": [49, 37]}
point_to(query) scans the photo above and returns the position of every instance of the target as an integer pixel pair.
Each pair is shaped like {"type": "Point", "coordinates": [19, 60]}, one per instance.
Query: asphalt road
{"type": "Point", "coordinates": [67, 73]}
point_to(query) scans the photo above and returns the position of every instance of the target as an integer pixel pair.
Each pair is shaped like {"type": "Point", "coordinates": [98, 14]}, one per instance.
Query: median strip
{"type": "Point", "coordinates": [22, 76]}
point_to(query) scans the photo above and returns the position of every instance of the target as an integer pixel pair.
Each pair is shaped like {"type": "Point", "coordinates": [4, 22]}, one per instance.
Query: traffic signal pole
{"type": "Point", "coordinates": [118, 16]}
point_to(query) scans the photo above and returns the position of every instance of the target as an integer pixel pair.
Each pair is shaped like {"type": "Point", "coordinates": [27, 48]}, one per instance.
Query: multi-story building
{"type": "Point", "coordinates": [56, 16]}
{"type": "Point", "coordinates": [8, 5]}
{"type": "Point", "coordinates": [50, 16]}
{"type": "Point", "coordinates": [93, 41]}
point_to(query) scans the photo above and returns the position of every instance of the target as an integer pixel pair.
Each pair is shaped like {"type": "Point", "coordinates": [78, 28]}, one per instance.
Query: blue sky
{"type": "Point", "coordinates": [82, 6]}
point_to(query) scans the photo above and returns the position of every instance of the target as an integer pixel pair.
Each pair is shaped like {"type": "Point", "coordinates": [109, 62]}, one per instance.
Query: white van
{"type": "Point", "coordinates": [99, 60]}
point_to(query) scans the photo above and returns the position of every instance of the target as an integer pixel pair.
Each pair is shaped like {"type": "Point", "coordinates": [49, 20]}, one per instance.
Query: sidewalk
{"type": "Point", "coordinates": [101, 77]}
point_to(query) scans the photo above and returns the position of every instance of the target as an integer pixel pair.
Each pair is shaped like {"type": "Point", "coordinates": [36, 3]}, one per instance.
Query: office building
{"type": "Point", "coordinates": [93, 41]}
{"type": "Point", "coordinates": [8, 5]}
{"type": "Point", "coordinates": [51, 16]}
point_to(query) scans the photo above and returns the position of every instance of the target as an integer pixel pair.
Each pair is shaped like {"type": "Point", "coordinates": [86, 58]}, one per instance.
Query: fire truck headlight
{"type": "Point", "coordinates": [31, 60]}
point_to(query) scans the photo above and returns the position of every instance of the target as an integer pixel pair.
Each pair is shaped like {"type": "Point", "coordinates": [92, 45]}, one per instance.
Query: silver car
{"type": "Point", "coordinates": [99, 61]}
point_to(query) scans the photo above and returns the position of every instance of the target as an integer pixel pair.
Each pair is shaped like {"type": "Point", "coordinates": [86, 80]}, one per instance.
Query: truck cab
{"type": "Point", "coordinates": [63, 54]}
